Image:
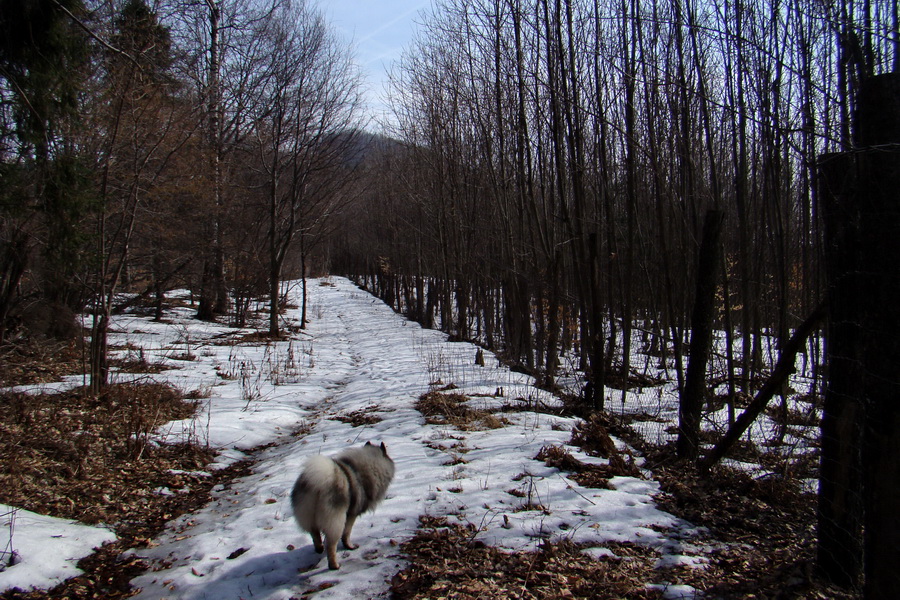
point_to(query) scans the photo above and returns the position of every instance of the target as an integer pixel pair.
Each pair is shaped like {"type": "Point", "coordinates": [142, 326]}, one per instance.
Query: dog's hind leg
{"type": "Point", "coordinates": [345, 537]}
{"type": "Point", "coordinates": [317, 540]}
{"type": "Point", "coordinates": [332, 535]}
{"type": "Point", "coordinates": [331, 550]}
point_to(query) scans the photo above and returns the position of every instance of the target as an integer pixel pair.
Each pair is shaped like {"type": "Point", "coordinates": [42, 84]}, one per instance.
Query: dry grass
{"type": "Point", "coordinates": [767, 523]}
{"type": "Point", "coordinates": [592, 436]}
{"type": "Point", "coordinates": [440, 408]}
{"type": "Point", "coordinates": [91, 459]}
{"type": "Point", "coordinates": [446, 561]}
{"type": "Point", "coordinates": [138, 364]}
{"type": "Point", "coordinates": [94, 459]}
{"type": "Point", "coordinates": [595, 476]}
{"type": "Point", "coordinates": [762, 532]}
{"type": "Point", "coordinates": [30, 362]}
{"type": "Point", "coordinates": [359, 418]}
{"type": "Point", "coordinates": [108, 572]}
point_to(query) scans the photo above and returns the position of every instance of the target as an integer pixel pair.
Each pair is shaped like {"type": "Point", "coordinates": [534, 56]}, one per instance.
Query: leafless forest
{"type": "Point", "coordinates": [560, 181]}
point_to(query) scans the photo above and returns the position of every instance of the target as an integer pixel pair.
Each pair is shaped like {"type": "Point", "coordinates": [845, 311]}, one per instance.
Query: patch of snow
{"type": "Point", "coordinates": [46, 549]}
{"type": "Point", "coordinates": [357, 356]}
{"type": "Point", "coordinates": [675, 592]}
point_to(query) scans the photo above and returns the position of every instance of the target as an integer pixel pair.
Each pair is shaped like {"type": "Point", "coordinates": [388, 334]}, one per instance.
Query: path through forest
{"type": "Point", "coordinates": [354, 376]}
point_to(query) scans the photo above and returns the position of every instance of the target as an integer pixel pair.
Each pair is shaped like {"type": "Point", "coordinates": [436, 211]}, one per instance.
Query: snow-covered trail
{"type": "Point", "coordinates": [360, 358]}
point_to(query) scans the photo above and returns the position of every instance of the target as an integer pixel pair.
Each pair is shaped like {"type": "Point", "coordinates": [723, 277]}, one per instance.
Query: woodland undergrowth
{"type": "Point", "coordinates": [93, 459]}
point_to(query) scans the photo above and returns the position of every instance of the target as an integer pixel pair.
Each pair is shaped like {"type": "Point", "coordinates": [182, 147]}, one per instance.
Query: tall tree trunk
{"type": "Point", "coordinates": [688, 444]}
{"type": "Point", "coordinates": [276, 258]}
{"type": "Point", "coordinates": [840, 509]}
{"type": "Point", "coordinates": [214, 293]}
{"type": "Point", "coordinates": [274, 298]}
{"type": "Point", "coordinates": [99, 362]}
{"type": "Point", "coordinates": [879, 177]}
{"type": "Point", "coordinates": [304, 281]}
{"type": "Point", "coordinates": [630, 53]}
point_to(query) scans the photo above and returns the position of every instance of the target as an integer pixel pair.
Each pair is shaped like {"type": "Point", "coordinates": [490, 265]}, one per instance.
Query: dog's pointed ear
{"type": "Point", "coordinates": [368, 443]}
{"type": "Point", "coordinates": [383, 449]}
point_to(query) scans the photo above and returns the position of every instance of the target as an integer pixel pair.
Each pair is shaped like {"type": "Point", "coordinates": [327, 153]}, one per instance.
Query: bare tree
{"type": "Point", "coordinates": [307, 132]}
{"type": "Point", "coordinates": [140, 131]}
{"type": "Point", "coordinates": [222, 56]}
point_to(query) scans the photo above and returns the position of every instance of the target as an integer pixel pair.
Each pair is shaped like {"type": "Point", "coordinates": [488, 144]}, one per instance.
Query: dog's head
{"type": "Point", "coordinates": [383, 447]}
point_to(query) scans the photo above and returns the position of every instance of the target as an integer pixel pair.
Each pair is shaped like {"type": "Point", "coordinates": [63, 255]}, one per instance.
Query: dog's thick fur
{"type": "Point", "coordinates": [332, 492]}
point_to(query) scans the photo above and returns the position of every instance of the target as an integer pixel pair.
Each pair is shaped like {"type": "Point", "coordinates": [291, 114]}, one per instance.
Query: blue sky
{"type": "Point", "coordinates": [380, 31]}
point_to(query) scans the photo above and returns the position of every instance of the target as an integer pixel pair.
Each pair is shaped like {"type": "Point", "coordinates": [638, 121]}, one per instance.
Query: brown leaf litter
{"type": "Point", "coordinates": [93, 459]}
{"type": "Point", "coordinates": [447, 561]}
{"type": "Point", "coordinates": [759, 535]}
{"type": "Point", "coordinates": [441, 408]}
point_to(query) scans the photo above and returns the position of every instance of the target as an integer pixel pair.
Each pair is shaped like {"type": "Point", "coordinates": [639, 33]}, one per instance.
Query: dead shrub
{"type": "Point", "coordinates": [137, 364]}
{"type": "Point", "coordinates": [634, 380]}
{"type": "Point", "coordinates": [594, 476]}
{"type": "Point", "coordinates": [559, 457]}
{"type": "Point", "coordinates": [359, 418]}
{"type": "Point", "coordinates": [437, 404]}
{"type": "Point", "coordinates": [446, 561]}
{"type": "Point", "coordinates": [89, 458]}
{"type": "Point", "coordinates": [49, 320]}
{"type": "Point", "coordinates": [441, 408]}
{"type": "Point", "coordinates": [33, 361]}
{"type": "Point", "coordinates": [793, 417]}
{"type": "Point", "coordinates": [592, 436]}
{"type": "Point", "coordinates": [135, 411]}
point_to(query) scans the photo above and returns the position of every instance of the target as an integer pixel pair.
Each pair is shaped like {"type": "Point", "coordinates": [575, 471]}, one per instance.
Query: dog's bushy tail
{"type": "Point", "coordinates": [319, 472]}
{"type": "Point", "coordinates": [319, 497]}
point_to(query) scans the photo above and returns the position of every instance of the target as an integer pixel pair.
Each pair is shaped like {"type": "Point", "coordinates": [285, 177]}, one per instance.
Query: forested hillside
{"type": "Point", "coordinates": [575, 185]}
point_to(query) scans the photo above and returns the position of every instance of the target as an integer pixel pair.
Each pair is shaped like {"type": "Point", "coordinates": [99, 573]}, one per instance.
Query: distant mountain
{"type": "Point", "coordinates": [359, 146]}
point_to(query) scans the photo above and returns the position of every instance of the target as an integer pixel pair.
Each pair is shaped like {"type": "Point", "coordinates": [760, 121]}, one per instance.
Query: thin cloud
{"type": "Point", "coordinates": [401, 17]}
